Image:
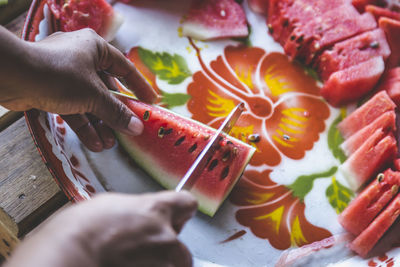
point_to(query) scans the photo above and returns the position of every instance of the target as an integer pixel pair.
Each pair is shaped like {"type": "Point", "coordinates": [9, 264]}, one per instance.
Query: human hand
{"type": "Point", "coordinates": [112, 230]}
{"type": "Point", "coordinates": [68, 74]}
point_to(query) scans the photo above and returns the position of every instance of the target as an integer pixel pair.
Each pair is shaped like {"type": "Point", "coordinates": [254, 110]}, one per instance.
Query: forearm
{"type": "Point", "coordinates": [14, 55]}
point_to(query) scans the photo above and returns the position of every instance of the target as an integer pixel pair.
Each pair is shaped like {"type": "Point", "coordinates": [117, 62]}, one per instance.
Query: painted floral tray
{"type": "Point", "coordinates": [292, 191]}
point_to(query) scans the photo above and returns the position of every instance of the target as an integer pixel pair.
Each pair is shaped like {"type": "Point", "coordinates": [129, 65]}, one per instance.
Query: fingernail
{"type": "Point", "coordinates": [135, 126]}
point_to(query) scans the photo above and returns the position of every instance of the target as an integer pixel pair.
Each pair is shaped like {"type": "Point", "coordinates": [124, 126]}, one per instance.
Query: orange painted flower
{"type": "Point", "coordinates": [283, 105]}
{"type": "Point", "coordinates": [272, 212]}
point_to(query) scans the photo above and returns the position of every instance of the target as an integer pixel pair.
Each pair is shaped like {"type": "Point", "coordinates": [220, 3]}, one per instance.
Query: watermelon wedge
{"type": "Point", "coordinates": [348, 85]}
{"type": "Point", "coordinates": [366, 114]}
{"type": "Point", "coordinates": [369, 159]}
{"type": "Point", "coordinates": [379, 12]}
{"type": "Point", "coordinates": [170, 144]}
{"type": "Point", "coordinates": [352, 52]}
{"type": "Point", "coordinates": [391, 28]}
{"type": "Point", "coordinates": [213, 19]}
{"type": "Point", "coordinates": [370, 202]}
{"type": "Point", "coordinates": [390, 83]}
{"type": "Point", "coordinates": [74, 15]}
{"type": "Point", "coordinates": [361, 4]}
{"type": "Point", "coordinates": [371, 235]}
{"type": "Point", "coordinates": [385, 123]}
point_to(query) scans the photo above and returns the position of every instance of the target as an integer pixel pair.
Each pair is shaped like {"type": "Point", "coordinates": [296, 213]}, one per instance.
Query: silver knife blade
{"type": "Point", "coordinates": [200, 163]}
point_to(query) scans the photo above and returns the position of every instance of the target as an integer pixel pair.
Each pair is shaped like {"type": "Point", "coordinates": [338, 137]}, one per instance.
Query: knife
{"type": "Point", "coordinates": [201, 162]}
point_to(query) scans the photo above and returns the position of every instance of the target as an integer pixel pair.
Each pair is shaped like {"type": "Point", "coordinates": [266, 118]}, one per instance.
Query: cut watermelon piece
{"type": "Point", "coordinates": [361, 4]}
{"type": "Point", "coordinates": [385, 123]}
{"type": "Point", "coordinates": [366, 114]}
{"type": "Point", "coordinates": [369, 203]}
{"type": "Point", "coordinates": [391, 84]}
{"type": "Point", "coordinates": [396, 164]}
{"type": "Point", "coordinates": [352, 52]}
{"type": "Point", "coordinates": [369, 159]}
{"type": "Point", "coordinates": [379, 12]}
{"type": "Point", "coordinates": [333, 26]}
{"type": "Point", "coordinates": [259, 6]}
{"type": "Point", "coordinates": [170, 144]}
{"type": "Point", "coordinates": [348, 85]}
{"type": "Point", "coordinates": [391, 28]}
{"type": "Point", "coordinates": [212, 19]}
{"type": "Point", "coordinates": [370, 236]}
{"type": "Point", "coordinates": [98, 15]}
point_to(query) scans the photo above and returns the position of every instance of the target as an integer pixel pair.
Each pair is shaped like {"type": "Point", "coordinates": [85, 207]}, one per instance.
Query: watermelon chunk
{"type": "Point", "coordinates": [370, 202]}
{"type": "Point", "coordinates": [391, 84]}
{"type": "Point", "coordinates": [320, 32]}
{"type": "Point", "coordinates": [370, 158]}
{"type": "Point", "coordinates": [98, 15]}
{"type": "Point", "coordinates": [371, 235]}
{"type": "Point", "coordinates": [352, 52]}
{"type": "Point", "coordinates": [212, 19]}
{"type": "Point", "coordinates": [391, 28]}
{"type": "Point", "coordinates": [366, 114]}
{"type": "Point", "coordinates": [385, 123]}
{"type": "Point", "coordinates": [170, 144]}
{"type": "Point", "coordinates": [379, 12]}
{"type": "Point", "coordinates": [351, 84]}
{"type": "Point", "coordinates": [361, 4]}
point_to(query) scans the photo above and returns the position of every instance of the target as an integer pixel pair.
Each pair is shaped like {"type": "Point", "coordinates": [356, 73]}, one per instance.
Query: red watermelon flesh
{"type": "Point", "coordinates": [382, 12]}
{"type": "Point", "coordinates": [95, 14]}
{"type": "Point", "coordinates": [385, 123]}
{"type": "Point", "coordinates": [396, 164]}
{"type": "Point", "coordinates": [348, 85]}
{"type": "Point", "coordinates": [391, 28]}
{"type": "Point", "coordinates": [170, 144]}
{"type": "Point", "coordinates": [370, 202]}
{"type": "Point", "coordinates": [325, 29]}
{"type": "Point", "coordinates": [212, 19]}
{"type": "Point", "coordinates": [370, 158]}
{"type": "Point", "coordinates": [343, 30]}
{"type": "Point", "coordinates": [391, 84]}
{"type": "Point", "coordinates": [361, 4]}
{"type": "Point", "coordinates": [371, 235]}
{"type": "Point", "coordinates": [366, 114]}
{"type": "Point", "coordinates": [352, 52]}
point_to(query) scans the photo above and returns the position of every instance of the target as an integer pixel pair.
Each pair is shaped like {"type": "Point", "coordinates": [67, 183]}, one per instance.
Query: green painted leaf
{"type": "Point", "coordinates": [335, 139]}
{"type": "Point", "coordinates": [304, 183]}
{"type": "Point", "coordinates": [338, 195]}
{"type": "Point", "coordinates": [170, 68]}
{"type": "Point", "coordinates": [173, 100]}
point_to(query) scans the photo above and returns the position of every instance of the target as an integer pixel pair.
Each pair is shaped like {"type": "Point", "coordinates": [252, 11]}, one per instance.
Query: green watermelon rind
{"type": "Point", "coordinates": [206, 205]}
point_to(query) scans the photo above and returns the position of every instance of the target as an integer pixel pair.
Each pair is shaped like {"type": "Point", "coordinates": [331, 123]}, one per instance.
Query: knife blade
{"type": "Point", "coordinates": [201, 162]}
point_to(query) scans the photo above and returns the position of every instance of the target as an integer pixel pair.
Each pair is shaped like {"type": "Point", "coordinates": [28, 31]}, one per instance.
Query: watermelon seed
{"type": "Point", "coordinates": [225, 172]}
{"type": "Point", "coordinates": [161, 132]}
{"type": "Point", "coordinates": [146, 115]}
{"type": "Point", "coordinates": [226, 155]}
{"type": "Point", "coordinates": [229, 142]}
{"type": "Point", "coordinates": [292, 38]}
{"type": "Point", "coordinates": [285, 23]}
{"type": "Point", "coordinates": [235, 151]}
{"type": "Point", "coordinates": [395, 189]}
{"type": "Point", "coordinates": [254, 138]}
{"type": "Point", "coordinates": [380, 177]}
{"type": "Point", "coordinates": [270, 29]}
{"type": "Point", "coordinates": [213, 164]}
{"type": "Point", "coordinates": [179, 141]}
{"type": "Point", "coordinates": [168, 131]}
{"type": "Point", "coordinates": [301, 38]}
{"type": "Point", "coordinates": [374, 44]}
{"type": "Point", "coordinates": [192, 148]}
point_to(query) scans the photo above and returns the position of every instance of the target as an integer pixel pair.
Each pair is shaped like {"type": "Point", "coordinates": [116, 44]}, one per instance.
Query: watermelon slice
{"type": "Point", "coordinates": [391, 28]}
{"type": "Point", "coordinates": [212, 19]}
{"type": "Point", "coordinates": [370, 158]}
{"type": "Point", "coordinates": [371, 235]}
{"type": "Point", "coordinates": [366, 114]}
{"type": "Point", "coordinates": [370, 202]}
{"type": "Point", "coordinates": [74, 15]}
{"type": "Point", "coordinates": [379, 12]}
{"type": "Point", "coordinates": [345, 86]}
{"type": "Point", "coordinates": [170, 144]}
{"type": "Point", "coordinates": [352, 52]}
{"type": "Point", "coordinates": [391, 84]}
{"type": "Point", "coordinates": [385, 123]}
{"type": "Point", "coordinates": [361, 4]}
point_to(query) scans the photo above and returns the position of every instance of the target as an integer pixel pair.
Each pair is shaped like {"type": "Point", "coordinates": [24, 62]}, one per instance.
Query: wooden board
{"type": "Point", "coordinates": [28, 193]}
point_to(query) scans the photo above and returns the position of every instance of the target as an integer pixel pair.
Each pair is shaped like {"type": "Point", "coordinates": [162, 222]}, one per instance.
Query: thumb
{"type": "Point", "coordinates": [117, 115]}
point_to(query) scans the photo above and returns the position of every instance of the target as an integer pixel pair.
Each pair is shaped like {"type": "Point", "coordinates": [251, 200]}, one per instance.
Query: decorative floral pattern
{"type": "Point", "coordinates": [381, 261]}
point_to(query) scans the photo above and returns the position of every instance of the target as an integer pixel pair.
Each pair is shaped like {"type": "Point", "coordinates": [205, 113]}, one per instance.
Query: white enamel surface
{"type": "Point", "coordinates": [154, 26]}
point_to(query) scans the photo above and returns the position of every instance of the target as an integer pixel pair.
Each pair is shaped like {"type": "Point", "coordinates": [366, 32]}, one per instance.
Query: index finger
{"type": "Point", "coordinates": [115, 63]}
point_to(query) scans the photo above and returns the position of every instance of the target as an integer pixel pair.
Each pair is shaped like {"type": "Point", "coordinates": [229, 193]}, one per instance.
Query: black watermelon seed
{"type": "Point", "coordinates": [301, 39]}
{"type": "Point", "coordinates": [161, 132]}
{"type": "Point", "coordinates": [285, 23]}
{"type": "Point", "coordinates": [374, 44]}
{"type": "Point", "coordinates": [292, 37]}
{"type": "Point", "coordinates": [192, 148]}
{"type": "Point", "coordinates": [146, 115]}
{"type": "Point", "coordinates": [254, 138]}
{"type": "Point", "coordinates": [213, 164]}
{"type": "Point", "coordinates": [225, 172]}
{"type": "Point", "coordinates": [179, 141]}
{"type": "Point", "coordinates": [226, 155]}
{"type": "Point", "coordinates": [168, 131]}
{"type": "Point", "coordinates": [229, 142]}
